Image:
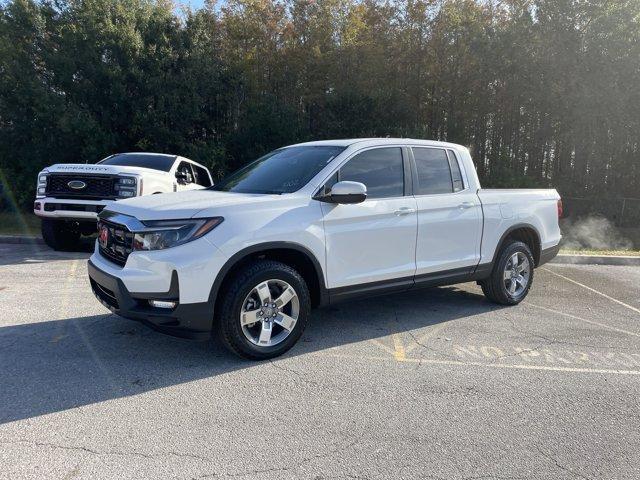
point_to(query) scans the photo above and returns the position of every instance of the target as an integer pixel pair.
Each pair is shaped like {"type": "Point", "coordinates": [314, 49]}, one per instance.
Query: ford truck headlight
{"type": "Point", "coordinates": [170, 233]}
{"type": "Point", "coordinates": [126, 187]}
{"type": "Point", "coordinates": [41, 189]}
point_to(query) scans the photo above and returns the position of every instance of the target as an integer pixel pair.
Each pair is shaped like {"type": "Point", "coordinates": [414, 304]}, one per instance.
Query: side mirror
{"type": "Point", "coordinates": [183, 178]}
{"type": "Point", "coordinates": [346, 192]}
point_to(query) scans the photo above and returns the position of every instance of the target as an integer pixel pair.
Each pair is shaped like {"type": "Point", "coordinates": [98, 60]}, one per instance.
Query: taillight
{"type": "Point", "coordinates": [560, 210]}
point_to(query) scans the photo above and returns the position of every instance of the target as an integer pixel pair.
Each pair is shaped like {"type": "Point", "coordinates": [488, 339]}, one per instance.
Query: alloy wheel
{"type": "Point", "coordinates": [269, 313]}
{"type": "Point", "coordinates": [516, 274]}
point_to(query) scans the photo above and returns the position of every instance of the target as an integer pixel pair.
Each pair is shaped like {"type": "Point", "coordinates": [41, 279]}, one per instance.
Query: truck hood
{"type": "Point", "coordinates": [193, 203]}
{"type": "Point", "coordinates": [95, 169]}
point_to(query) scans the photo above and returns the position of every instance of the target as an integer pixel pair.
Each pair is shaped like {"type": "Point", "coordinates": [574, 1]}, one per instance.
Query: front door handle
{"type": "Point", "coordinates": [466, 205]}
{"type": "Point", "coordinates": [404, 211]}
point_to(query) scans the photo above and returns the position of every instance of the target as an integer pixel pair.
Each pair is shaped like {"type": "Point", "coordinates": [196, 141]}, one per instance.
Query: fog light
{"type": "Point", "coordinates": [162, 304]}
{"type": "Point", "coordinates": [36, 206]}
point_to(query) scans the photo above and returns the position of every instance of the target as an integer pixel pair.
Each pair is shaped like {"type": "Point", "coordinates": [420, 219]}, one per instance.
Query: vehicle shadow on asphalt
{"type": "Point", "coordinates": [53, 366]}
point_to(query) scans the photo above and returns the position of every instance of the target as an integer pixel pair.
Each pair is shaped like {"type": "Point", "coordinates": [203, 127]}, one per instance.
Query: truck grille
{"type": "Point", "coordinates": [95, 186]}
{"type": "Point", "coordinates": [116, 244]}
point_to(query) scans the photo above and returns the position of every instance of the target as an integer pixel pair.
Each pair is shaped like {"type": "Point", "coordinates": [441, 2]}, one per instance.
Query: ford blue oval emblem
{"type": "Point", "coordinates": [77, 184]}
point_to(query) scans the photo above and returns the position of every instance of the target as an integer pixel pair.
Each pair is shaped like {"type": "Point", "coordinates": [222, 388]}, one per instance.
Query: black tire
{"type": "Point", "coordinates": [494, 287]}
{"type": "Point", "coordinates": [59, 234]}
{"type": "Point", "coordinates": [233, 295]}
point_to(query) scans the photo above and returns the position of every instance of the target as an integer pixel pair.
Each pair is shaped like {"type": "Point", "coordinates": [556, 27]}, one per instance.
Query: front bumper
{"type": "Point", "coordinates": [50, 207]}
{"type": "Point", "coordinates": [187, 320]}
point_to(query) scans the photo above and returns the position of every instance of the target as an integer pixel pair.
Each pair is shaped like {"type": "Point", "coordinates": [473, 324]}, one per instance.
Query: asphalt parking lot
{"type": "Point", "coordinates": [436, 384]}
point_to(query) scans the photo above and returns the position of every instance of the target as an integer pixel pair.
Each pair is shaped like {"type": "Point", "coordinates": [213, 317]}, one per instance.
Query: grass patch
{"type": "Point", "coordinates": [627, 253]}
{"type": "Point", "coordinates": [20, 223]}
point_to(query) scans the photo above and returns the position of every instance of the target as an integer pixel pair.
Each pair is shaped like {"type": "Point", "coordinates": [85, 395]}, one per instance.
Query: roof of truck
{"type": "Point", "coordinates": [346, 142]}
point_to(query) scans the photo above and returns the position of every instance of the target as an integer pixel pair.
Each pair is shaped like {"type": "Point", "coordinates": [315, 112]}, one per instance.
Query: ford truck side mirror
{"type": "Point", "coordinates": [183, 178]}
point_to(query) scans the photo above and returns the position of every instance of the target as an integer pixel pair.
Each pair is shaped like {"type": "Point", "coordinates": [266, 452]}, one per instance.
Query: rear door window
{"type": "Point", "coordinates": [456, 176]}
{"type": "Point", "coordinates": [434, 172]}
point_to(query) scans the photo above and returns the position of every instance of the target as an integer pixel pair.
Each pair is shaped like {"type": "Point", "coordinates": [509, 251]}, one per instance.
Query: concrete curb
{"type": "Point", "coordinates": [21, 240]}
{"type": "Point", "coordinates": [596, 260]}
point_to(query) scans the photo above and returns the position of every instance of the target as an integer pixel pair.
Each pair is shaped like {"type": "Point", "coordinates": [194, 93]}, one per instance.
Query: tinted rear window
{"type": "Point", "coordinates": [434, 173]}
{"type": "Point", "coordinates": [143, 160]}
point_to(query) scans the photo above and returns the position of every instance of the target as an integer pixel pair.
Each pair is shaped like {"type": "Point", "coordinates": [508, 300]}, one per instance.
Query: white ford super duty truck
{"type": "Point", "coordinates": [69, 196]}
{"type": "Point", "coordinates": [313, 224]}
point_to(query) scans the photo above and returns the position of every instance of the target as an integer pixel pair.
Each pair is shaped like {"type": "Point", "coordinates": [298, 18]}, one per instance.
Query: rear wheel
{"type": "Point", "coordinates": [60, 234]}
{"type": "Point", "coordinates": [263, 310]}
{"type": "Point", "coordinates": [512, 275]}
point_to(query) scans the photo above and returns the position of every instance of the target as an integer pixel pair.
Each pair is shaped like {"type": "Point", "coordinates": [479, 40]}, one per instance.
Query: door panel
{"type": "Point", "coordinates": [449, 227]}
{"type": "Point", "coordinates": [370, 241]}
{"type": "Point", "coordinates": [449, 224]}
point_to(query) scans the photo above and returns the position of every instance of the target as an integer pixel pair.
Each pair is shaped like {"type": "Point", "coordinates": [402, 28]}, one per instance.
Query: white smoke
{"type": "Point", "coordinates": [595, 233]}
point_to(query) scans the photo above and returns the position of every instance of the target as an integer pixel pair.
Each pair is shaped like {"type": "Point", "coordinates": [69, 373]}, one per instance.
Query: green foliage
{"type": "Point", "coordinates": [544, 92]}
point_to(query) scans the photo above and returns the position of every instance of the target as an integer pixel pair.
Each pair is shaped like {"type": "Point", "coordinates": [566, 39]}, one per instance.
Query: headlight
{"type": "Point", "coordinates": [126, 187]}
{"type": "Point", "coordinates": [42, 185]}
{"type": "Point", "coordinates": [170, 233]}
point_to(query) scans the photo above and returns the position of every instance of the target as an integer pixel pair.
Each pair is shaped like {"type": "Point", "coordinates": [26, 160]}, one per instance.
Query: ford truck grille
{"type": "Point", "coordinates": [86, 187]}
{"type": "Point", "coordinates": [115, 242]}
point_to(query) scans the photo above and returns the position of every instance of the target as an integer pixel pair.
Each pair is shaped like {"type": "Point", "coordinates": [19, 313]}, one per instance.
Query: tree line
{"type": "Point", "coordinates": [543, 92]}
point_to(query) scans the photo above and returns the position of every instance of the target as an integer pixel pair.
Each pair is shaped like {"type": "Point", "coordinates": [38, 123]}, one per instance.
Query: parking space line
{"type": "Point", "coordinates": [420, 341]}
{"type": "Point", "coordinates": [399, 353]}
{"type": "Point", "coordinates": [488, 365]}
{"type": "Point", "coordinates": [619, 302]}
{"type": "Point", "coordinates": [575, 317]}
{"type": "Point", "coordinates": [378, 343]}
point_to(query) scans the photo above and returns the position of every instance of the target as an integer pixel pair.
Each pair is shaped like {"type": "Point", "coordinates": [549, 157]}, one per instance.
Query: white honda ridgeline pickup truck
{"type": "Point", "coordinates": [69, 196]}
{"type": "Point", "coordinates": [313, 224]}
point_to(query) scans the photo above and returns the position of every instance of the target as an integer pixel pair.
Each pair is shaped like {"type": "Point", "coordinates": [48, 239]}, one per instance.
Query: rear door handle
{"type": "Point", "coordinates": [404, 211]}
{"type": "Point", "coordinates": [466, 205]}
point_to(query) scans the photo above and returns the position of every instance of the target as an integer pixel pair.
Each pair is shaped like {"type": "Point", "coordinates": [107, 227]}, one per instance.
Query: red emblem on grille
{"type": "Point", "coordinates": [103, 237]}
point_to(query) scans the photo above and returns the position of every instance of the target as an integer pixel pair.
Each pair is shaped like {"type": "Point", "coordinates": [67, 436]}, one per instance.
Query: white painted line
{"type": "Point", "coordinates": [575, 317]}
{"type": "Point", "coordinates": [488, 365]}
{"type": "Point", "coordinates": [593, 290]}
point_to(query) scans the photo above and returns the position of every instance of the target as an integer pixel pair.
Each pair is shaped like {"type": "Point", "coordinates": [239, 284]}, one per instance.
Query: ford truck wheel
{"type": "Point", "coordinates": [512, 275]}
{"type": "Point", "coordinates": [263, 310]}
{"type": "Point", "coordinates": [59, 234]}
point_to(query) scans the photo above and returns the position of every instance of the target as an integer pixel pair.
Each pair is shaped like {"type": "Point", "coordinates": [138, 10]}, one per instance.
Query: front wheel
{"type": "Point", "coordinates": [512, 275]}
{"type": "Point", "coordinates": [263, 310]}
{"type": "Point", "coordinates": [59, 234]}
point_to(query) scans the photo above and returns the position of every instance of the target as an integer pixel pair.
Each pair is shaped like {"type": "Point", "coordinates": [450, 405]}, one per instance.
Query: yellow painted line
{"type": "Point", "coordinates": [432, 331]}
{"type": "Point", "coordinates": [69, 279]}
{"type": "Point", "coordinates": [575, 317]}
{"type": "Point", "coordinates": [378, 343]}
{"type": "Point", "coordinates": [619, 302]}
{"type": "Point", "coordinates": [399, 352]}
{"type": "Point", "coordinates": [488, 365]}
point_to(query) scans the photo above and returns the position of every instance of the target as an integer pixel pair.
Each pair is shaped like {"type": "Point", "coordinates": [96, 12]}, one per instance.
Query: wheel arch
{"type": "Point", "coordinates": [289, 253]}
{"type": "Point", "coordinates": [523, 232]}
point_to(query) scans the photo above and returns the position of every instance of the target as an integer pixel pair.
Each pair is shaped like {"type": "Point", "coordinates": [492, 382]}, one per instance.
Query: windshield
{"type": "Point", "coordinates": [281, 171]}
{"type": "Point", "coordinates": [143, 160]}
